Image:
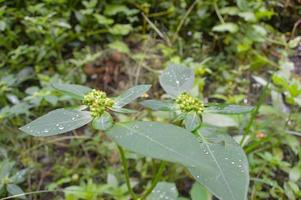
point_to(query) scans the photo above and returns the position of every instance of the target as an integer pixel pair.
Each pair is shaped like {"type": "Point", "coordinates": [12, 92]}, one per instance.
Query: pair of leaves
{"type": "Point", "coordinates": [216, 161]}
{"type": "Point", "coordinates": [78, 92]}
{"type": "Point", "coordinates": [225, 109]}
{"type": "Point", "coordinates": [64, 120]}
{"type": "Point", "coordinates": [177, 79]}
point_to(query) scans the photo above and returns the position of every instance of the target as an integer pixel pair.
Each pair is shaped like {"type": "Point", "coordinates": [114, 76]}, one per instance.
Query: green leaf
{"type": "Point", "coordinates": [219, 120]}
{"type": "Point", "coordinates": [5, 168]}
{"type": "Point", "coordinates": [260, 80]}
{"type": "Point", "coordinates": [177, 79]}
{"type": "Point", "coordinates": [198, 192]}
{"type": "Point", "coordinates": [158, 140]}
{"type": "Point", "coordinates": [226, 27]}
{"type": "Point", "coordinates": [113, 9]}
{"type": "Point", "coordinates": [157, 105]}
{"type": "Point", "coordinates": [293, 43]}
{"type": "Point", "coordinates": [228, 109]}
{"type": "Point", "coordinates": [121, 29]}
{"type": "Point", "coordinates": [248, 16]}
{"type": "Point", "coordinates": [119, 46]}
{"type": "Point", "coordinates": [2, 25]}
{"type": "Point", "coordinates": [130, 95]}
{"type": "Point", "coordinates": [19, 177]}
{"type": "Point", "coordinates": [123, 110]}
{"type": "Point", "coordinates": [103, 20]}
{"type": "Point", "coordinates": [57, 122]}
{"type": "Point", "coordinates": [164, 191]}
{"type": "Point", "coordinates": [15, 190]}
{"type": "Point", "coordinates": [3, 152]}
{"type": "Point", "coordinates": [104, 122]}
{"type": "Point", "coordinates": [75, 91]}
{"type": "Point", "coordinates": [229, 178]}
{"type": "Point", "coordinates": [242, 4]}
{"type": "Point", "coordinates": [192, 121]}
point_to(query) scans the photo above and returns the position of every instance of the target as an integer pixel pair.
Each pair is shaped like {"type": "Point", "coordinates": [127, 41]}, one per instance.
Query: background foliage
{"type": "Point", "coordinates": [243, 52]}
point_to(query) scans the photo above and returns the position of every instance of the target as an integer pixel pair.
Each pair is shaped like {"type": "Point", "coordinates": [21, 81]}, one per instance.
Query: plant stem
{"type": "Point", "coordinates": [220, 17]}
{"type": "Point", "coordinates": [255, 112]}
{"type": "Point", "coordinates": [183, 20]}
{"type": "Point", "coordinates": [126, 172]}
{"type": "Point", "coordinates": [155, 180]}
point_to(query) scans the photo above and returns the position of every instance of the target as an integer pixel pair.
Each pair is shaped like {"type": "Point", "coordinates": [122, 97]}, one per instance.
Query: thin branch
{"type": "Point", "coordinates": [155, 180]}
{"type": "Point", "coordinates": [126, 172]}
{"type": "Point", "coordinates": [179, 27]}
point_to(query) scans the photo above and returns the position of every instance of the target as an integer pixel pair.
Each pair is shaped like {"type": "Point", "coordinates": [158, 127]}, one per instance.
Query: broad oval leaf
{"type": "Point", "coordinates": [158, 140]}
{"type": "Point", "coordinates": [219, 120]}
{"type": "Point", "coordinates": [130, 95]}
{"type": "Point", "coordinates": [228, 109]}
{"type": "Point", "coordinates": [157, 105]}
{"type": "Point", "coordinates": [19, 177]}
{"type": "Point", "coordinates": [104, 122]}
{"type": "Point", "coordinates": [192, 121]}
{"type": "Point", "coordinates": [75, 91]}
{"type": "Point", "coordinates": [164, 191]}
{"type": "Point", "coordinates": [177, 79]}
{"type": "Point", "coordinates": [15, 190]}
{"type": "Point", "coordinates": [57, 122]}
{"type": "Point", "coordinates": [229, 179]}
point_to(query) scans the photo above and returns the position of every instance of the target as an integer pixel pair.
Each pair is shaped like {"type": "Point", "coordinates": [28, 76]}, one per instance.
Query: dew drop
{"type": "Point", "coordinates": [232, 163]}
{"type": "Point", "coordinates": [46, 131]}
{"type": "Point", "coordinates": [61, 127]}
{"type": "Point", "coordinates": [57, 125]}
{"type": "Point", "coordinates": [178, 82]}
{"type": "Point", "coordinates": [73, 118]}
{"type": "Point", "coordinates": [239, 166]}
{"type": "Point", "coordinates": [226, 158]}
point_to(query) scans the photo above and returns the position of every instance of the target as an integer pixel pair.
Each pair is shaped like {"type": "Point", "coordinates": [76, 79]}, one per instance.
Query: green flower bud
{"type": "Point", "coordinates": [188, 103]}
{"type": "Point", "coordinates": [98, 102]}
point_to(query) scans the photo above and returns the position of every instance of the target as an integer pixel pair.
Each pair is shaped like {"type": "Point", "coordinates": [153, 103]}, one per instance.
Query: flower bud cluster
{"type": "Point", "coordinates": [98, 102]}
{"type": "Point", "coordinates": [188, 103]}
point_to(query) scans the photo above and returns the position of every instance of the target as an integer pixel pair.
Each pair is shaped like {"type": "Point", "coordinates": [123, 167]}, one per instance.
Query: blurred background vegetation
{"type": "Point", "coordinates": [243, 52]}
